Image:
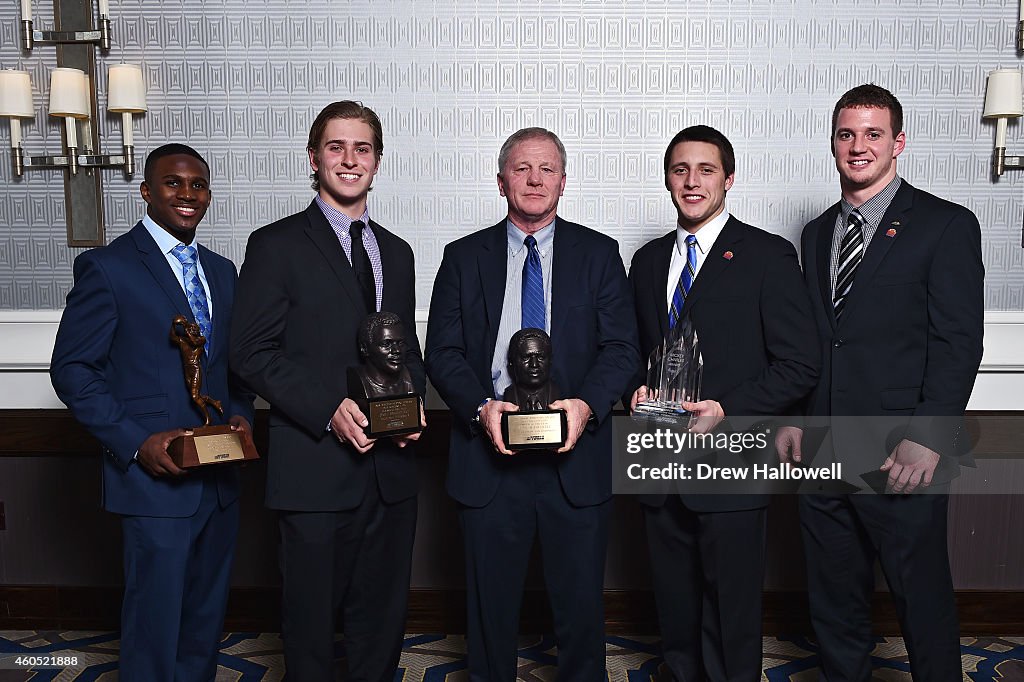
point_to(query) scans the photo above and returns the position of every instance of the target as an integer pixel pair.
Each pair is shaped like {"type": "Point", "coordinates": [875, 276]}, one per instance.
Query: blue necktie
{"type": "Point", "coordinates": [685, 282]}
{"type": "Point", "coordinates": [533, 287]}
{"type": "Point", "coordinates": [194, 290]}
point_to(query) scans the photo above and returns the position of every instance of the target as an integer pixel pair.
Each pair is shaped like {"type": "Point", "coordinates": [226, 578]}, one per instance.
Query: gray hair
{"type": "Point", "coordinates": [529, 134]}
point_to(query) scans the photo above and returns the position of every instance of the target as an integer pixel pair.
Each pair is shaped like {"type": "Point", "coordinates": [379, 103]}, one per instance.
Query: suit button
{"type": "Point", "coordinates": [838, 343]}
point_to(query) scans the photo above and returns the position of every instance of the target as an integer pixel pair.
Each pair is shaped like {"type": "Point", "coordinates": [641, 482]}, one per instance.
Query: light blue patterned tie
{"type": "Point", "coordinates": [194, 289]}
{"type": "Point", "coordinates": [685, 282]}
{"type": "Point", "coordinates": [533, 287]}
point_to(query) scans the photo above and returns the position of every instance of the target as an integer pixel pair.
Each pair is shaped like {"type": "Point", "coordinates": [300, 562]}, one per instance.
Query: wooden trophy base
{"type": "Point", "coordinates": [211, 445]}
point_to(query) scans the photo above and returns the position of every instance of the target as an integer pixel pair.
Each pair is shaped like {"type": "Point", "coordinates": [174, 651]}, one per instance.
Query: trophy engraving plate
{"type": "Point", "coordinates": [219, 448]}
{"type": "Point", "coordinates": [534, 429]}
{"type": "Point", "coordinates": [394, 416]}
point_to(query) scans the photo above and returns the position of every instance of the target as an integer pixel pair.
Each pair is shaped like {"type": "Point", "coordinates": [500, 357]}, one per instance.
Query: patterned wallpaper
{"type": "Point", "coordinates": [241, 80]}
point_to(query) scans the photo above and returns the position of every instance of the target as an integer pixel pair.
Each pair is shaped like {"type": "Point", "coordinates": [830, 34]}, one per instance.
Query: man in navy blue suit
{"type": "Point", "coordinates": [115, 366]}
{"type": "Point", "coordinates": [532, 269]}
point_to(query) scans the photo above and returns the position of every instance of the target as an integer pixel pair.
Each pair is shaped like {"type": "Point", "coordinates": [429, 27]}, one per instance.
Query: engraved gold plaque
{"type": "Point", "coordinates": [219, 448]}
{"type": "Point", "coordinates": [394, 416]}
{"type": "Point", "coordinates": [534, 429]}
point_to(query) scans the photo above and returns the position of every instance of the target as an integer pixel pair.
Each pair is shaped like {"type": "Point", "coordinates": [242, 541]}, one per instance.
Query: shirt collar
{"type": "Point", "coordinates": [706, 235]}
{"type": "Point", "coordinates": [545, 236]}
{"type": "Point", "coordinates": [874, 208]}
{"type": "Point", "coordinates": [338, 220]}
{"type": "Point", "coordinates": [165, 241]}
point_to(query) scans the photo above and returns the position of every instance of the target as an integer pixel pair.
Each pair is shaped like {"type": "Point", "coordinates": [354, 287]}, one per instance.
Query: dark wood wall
{"type": "Point", "coordinates": [60, 553]}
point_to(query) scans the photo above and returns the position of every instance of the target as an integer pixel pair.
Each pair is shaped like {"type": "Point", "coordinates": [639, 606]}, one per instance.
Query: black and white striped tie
{"type": "Point", "coordinates": [851, 251]}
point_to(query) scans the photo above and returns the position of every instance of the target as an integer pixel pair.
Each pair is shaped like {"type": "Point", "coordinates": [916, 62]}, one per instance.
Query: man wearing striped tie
{"type": "Point", "coordinates": [740, 287]}
{"type": "Point", "coordinates": [896, 283]}
{"type": "Point", "coordinates": [532, 269]}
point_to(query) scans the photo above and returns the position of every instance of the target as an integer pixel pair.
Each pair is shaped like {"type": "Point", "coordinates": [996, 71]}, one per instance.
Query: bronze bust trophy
{"type": "Point", "coordinates": [381, 385]}
{"type": "Point", "coordinates": [534, 426]}
{"type": "Point", "coordinates": [205, 444]}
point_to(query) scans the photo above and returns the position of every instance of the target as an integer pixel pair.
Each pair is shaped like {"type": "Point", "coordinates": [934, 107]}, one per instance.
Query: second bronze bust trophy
{"type": "Point", "coordinates": [381, 386]}
{"type": "Point", "coordinates": [534, 426]}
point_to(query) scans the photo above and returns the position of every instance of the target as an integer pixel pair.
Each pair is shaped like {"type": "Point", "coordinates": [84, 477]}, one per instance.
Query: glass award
{"type": "Point", "coordinates": [673, 377]}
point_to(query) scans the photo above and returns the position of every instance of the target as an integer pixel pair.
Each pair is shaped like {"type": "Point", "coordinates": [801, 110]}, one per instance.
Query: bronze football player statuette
{"type": "Point", "coordinates": [191, 344]}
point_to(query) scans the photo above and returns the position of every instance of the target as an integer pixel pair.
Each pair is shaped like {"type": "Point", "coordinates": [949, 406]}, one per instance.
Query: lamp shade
{"type": "Point", "coordinates": [126, 91]}
{"type": "Point", "coordinates": [1003, 98]}
{"type": "Point", "coordinates": [16, 94]}
{"type": "Point", "coordinates": [69, 93]}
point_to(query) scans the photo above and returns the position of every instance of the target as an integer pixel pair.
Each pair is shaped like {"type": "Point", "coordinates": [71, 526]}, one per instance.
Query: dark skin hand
{"type": "Point", "coordinates": [153, 455]}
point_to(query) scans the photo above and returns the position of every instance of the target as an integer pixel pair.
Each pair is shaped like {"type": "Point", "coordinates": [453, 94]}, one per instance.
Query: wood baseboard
{"type": "Point", "coordinates": [627, 612]}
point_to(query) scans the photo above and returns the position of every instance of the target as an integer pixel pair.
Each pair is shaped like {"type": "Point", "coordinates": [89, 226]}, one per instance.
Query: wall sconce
{"type": "Point", "coordinates": [29, 36]}
{"type": "Point", "coordinates": [70, 93]}
{"type": "Point", "coordinates": [1003, 101]}
{"type": "Point", "coordinates": [73, 97]}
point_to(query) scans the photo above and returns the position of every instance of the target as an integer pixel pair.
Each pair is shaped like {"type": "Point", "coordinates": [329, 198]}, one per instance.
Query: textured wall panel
{"type": "Point", "coordinates": [242, 81]}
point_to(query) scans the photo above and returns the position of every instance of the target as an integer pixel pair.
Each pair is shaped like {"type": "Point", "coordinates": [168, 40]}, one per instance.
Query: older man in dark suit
{"type": "Point", "coordinates": [740, 288]}
{"type": "Point", "coordinates": [346, 504]}
{"type": "Point", "coordinates": [896, 282]}
{"type": "Point", "coordinates": [532, 269]}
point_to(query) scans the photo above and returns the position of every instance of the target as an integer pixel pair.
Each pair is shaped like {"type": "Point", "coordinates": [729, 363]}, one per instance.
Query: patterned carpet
{"type": "Point", "coordinates": [253, 657]}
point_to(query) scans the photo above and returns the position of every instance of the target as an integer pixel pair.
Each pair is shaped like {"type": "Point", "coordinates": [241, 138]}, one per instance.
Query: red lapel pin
{"type": "Point", "coordinates": [727, 255]}
{"type": "Point", "coordinates": [891, 232]}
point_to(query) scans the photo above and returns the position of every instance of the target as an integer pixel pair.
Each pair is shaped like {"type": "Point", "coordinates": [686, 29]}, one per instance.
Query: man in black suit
{"type": "Point", "coordinates": [347, 504]}
{"type": "Point", "coordinates": [896, 283]}
{"type": "Point", "coordinates": [532, 269]}
{"type": "Point", "coordinates": [740, 288]}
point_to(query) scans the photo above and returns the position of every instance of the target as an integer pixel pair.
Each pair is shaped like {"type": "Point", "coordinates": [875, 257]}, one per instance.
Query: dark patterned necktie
{"type": "Point", "coordinates": [851, 252]}
{"type": "Point", "coordinates": [361, 266]}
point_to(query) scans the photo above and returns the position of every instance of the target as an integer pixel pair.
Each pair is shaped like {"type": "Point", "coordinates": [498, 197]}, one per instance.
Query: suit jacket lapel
{"type": "Point", "coordinates": [897, 219]}
{"type": "Point", "coordinates": [156, 263]}
{"type": "Point", "coordinates": [326, 241]}
{"type": "Point", "coordinates": [218, 293]}
{"type": "Point", "coordinates": [492, 264]}
{"type": "Point", "coordinates": [824, 231]}
{"type": "Point", "coordinates": [659, 277]}
{"type": "Point", "coordinates": [388, 266]}
{"type": "Point", "coordinates": [564, 277]}
{"type": "Point", "coordinates": [715, 263]}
